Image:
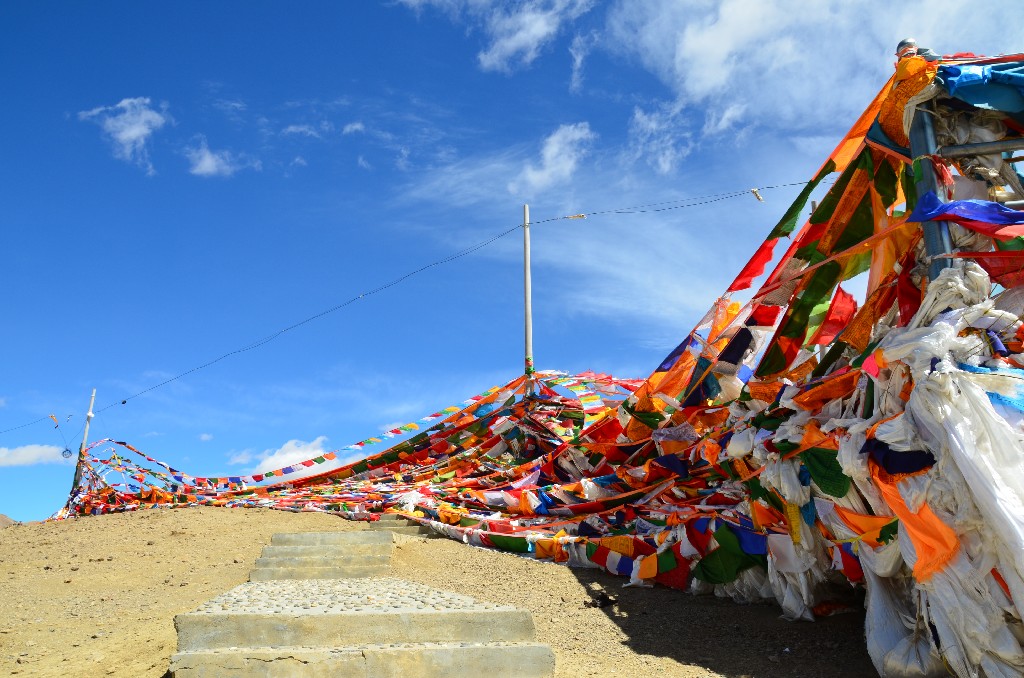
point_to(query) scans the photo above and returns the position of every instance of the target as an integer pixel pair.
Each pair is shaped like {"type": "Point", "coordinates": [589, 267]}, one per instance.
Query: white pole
{"type": "Point", "coordinates": [85, 438]}
{"type": "Point", "coordinates": [528, 294]}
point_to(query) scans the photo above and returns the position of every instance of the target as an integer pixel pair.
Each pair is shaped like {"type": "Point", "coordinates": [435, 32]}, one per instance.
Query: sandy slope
{"type": "Point", "coordinates": [97, 596]}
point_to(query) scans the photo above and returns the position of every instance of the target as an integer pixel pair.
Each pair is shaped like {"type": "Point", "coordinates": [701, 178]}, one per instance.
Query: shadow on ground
{"type": "Point", "coordinates": [728, 638]}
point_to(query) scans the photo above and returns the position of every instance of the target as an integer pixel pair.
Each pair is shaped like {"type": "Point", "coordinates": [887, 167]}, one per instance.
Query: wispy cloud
{"type": "Point", "coordinates": [579, 50]}
{"type": "Point", "coordinates": [210, 163]}
{"type": "Point", "coordinates": [716, 122]}
{"type": "Point", "coordinates": [301, 130]}
{"type": "Point", "coordinates": [241, 457]}
{"type": "Point", "coordinates": [291, 452]}
{"type": "Point", "coordinates": [205, 437]}
{"type": "Point", "coordinates": [402, 160]}
{"type": "Point", "coordinates": [559, 157]}
{"type": "Point", "coordinates": [643, 267]}
{"type": "Point", "coordinates": [391, 425]}
{"type": "Point", "coordinates": [353, 127]}
{"type": "Point", "coordinates": [660, 136]}
{"type": "Point", "coordinates": [364, 163]}
{"type": "Point", "coordinates": [717, 54]}
{"type": "Point", "coordinates": [232, 106]}
{"type": "Point", "coordinates": [469, 181]}
{"type": "Point", "coordinates": [233, 109]}
{"type": "Point", "coordinates": [317, 131]}
{"type": "Point", "coordinates": [128, 125]}
{"type": "Point", "coordinates": [729, 68]}
{"type": "Point", "coordinates": [517, 34]}
{"type": "Point", "coordinates": [27, 455]}
{"type": "Point", "coordinates": [646, 268]}
{"type": "Point", "coordinates": [635, 269]}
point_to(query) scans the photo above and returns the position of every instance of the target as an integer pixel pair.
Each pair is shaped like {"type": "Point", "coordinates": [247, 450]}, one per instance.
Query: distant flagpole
{"type": "Point", "coordinates": [85, 438]}
{"type": "Point", "coordinates": [528, 301]}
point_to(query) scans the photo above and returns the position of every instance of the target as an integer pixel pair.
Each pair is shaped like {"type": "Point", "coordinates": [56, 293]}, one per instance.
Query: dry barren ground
{"type": "Point", "coordinates": [97, 597]}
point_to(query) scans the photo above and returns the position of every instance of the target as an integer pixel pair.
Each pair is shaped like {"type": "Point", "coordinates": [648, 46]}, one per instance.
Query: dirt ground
{"type": "Point", "coordinates": [97, 597]}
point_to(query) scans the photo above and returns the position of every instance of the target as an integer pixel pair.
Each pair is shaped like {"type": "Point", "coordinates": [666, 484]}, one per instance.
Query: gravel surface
{"type": "Point", "coordinates": [97, 597]}
{"type": "Point", "coordinates": [329, 596]}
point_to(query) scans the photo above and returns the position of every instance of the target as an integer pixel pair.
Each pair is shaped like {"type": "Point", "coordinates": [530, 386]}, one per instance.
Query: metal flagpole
{"type": "Point", "coordinates": [936, 233]}
{"type": "Point", "coordinates": [85, 438]}
{"type": "Point", "coordinates": [528, 301]}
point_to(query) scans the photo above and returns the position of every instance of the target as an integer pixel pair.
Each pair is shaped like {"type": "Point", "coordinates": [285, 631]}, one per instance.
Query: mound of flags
{"type": "Point", "coordinates": [795, 443]}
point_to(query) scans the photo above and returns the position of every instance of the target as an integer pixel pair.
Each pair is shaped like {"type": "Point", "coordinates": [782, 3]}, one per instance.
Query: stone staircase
{"type": "Point", "coordinates": [324, 555]}
{"type": "Point", "coordinates": [315, 605]}
{"type": "Point", "coordinates": [398, 524]}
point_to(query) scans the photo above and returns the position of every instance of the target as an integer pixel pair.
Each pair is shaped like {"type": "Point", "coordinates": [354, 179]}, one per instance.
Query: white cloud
{"type": "Point", "coordinates": [205, 437]}
{"type": "Point", "coordinates": [518, 36]}
{"type": "Point", "coordinates": [784, 61]}
{"type": "Point", "coordinates": [402, 161]}
{"type": "Point", "coordinates": [303, 130]}
{"type": "Point", "coordinates": [233, 110]}
{"type": "Point", "coordinates": [729, 68]}
{"type": "Point", "coordinates": [128, 125]}
{"type": "Point", "coordinates": [645, 269]}
{"type": "Point", "coordinates": [559, 157]}
{"type": "Point", "coordinates": [291, 452]}
{"type": "Point", "coordinates": [208, 163]}
{"type": "Point", "coordinates": [26, 455]}
{"type": "Point", "coordinates": [579, 50]}
{"type": "Point", "coordinates": [353, 127]}
{"type": "Point", "coordinates": [797, 73]}
{"type": "Point", "coordinates": [516, 33]}
{"type": "Point", "coordinates": [660, 136]}
{"type": "Point", "coordinates": [3, 402]}
{"type": "Point", "coordinates": [229, 106]}
{"type": "Point", "coordinates": [614, 275]}
{"type": "Point", "coordinates": [468, 181]}
{"type": "Point", "coordinates": [362, 162]}
{"type": "Point", "coordinates": [299, 161]}
{"type": "Point", "coordinates": [716, 122]}
{"type": "Point", "coordinates": [451, 7]}
{"type": "Point", "coordinates": [242, 457]}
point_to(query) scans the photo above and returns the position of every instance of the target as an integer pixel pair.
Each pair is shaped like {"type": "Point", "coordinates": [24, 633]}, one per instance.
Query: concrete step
{"type": "Point", "coordinates": [399, 528]}
{"type": "Point", "coordinates": [381, 548]}
{"type": "Point", "coordinates": [317, 572]}
{"type": "Point", "coordinates": [328, 538]}
{"type": "Point", "coordinates": [338, 613]}
{"type": "Point", "coordinates": [423, 660]}
{"type": "Point", "coordinates": [347, 560]}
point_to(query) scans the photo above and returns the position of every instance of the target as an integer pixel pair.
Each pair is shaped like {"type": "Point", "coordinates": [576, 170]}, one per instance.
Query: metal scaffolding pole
{"type": "Point", "coordinates": [936, 233]}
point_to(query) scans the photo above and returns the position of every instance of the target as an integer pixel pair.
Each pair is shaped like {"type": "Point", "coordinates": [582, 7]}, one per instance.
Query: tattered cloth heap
{"type": "Point", "coordinates": [793, 444]}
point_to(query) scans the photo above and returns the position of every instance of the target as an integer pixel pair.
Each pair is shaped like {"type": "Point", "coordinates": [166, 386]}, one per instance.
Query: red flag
{"type": "Point", "coordinates": [840, 313]}
{"type": "Point", "coordinates": [755, 266]}
{"type": "Point", "coordinates": [908, 296]}
{"type": "Point", "coordinates": [600, 556]}
{"type": "Point", "coordinates": [1004, 267]}
{"type": "Point", "coordinates": [764, 316]}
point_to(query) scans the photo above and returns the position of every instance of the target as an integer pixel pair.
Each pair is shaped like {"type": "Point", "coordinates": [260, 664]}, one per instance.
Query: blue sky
{"type": "Point", "coordinates": [179, 181]}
